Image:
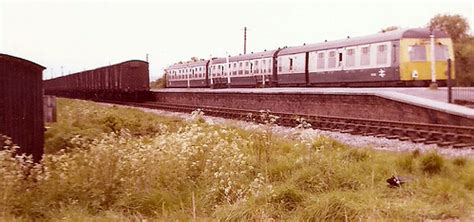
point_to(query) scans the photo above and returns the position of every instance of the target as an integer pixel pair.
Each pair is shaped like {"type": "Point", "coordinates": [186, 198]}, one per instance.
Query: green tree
{"type": "Point", "coordinates": [159, 83]}
{"type": "Point", "coordinates": [464, 61]}
{"type": "Point", "coordinates": [455, 25]}
{"type": "Point", "coordinates": [390, 28]}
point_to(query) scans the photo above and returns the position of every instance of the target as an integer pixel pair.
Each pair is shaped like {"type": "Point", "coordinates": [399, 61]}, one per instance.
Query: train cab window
{"type": "Point", "coordinates": [350, 57]}
{"type": "Point", "coordinates": [417, 53]}
{"type": "Point", "coordinates": [291, 64]}
{"type": "Point", "coordinates": [441, 53]}
{"type": "Point", "coordinates": [365, 56]}
{"type": "Point", "coordinates": [332, 59]}
{"type": "Point", "coordinates": [382, 54]}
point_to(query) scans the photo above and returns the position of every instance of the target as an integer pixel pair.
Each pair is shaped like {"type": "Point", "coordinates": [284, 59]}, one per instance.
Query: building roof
{"type": "Point", "coordinates": [3, 56]}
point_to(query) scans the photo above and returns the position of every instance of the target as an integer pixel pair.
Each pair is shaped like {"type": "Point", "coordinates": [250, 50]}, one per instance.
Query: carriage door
{"type": "Point", "coordinates": [340, 58]}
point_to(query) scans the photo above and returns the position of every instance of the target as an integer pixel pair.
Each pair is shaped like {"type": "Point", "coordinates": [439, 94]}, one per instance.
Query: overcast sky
{"type": "Point", "coordinates": [78, 35]}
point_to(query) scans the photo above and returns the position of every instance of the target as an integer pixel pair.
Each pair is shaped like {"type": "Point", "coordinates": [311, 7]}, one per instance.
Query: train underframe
{"type": "Point", "coordinates": [135, 96]}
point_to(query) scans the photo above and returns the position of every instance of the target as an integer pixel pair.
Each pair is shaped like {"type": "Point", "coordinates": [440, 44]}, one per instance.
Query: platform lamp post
{"type": "Point", "coordinates": [209, 71]}
{"type": "Point", "coordinates": [433, 84]}
{"type": "Point", "coordinates": [228, 68]}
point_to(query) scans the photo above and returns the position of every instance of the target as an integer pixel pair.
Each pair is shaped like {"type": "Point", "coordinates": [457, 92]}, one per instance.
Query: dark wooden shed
{"type": "Point", "coordinates": [21, 104]}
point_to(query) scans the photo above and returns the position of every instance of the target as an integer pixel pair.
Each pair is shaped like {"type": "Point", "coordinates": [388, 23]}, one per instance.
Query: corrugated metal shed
{"type": "Point", "coordinates": [21, 104]}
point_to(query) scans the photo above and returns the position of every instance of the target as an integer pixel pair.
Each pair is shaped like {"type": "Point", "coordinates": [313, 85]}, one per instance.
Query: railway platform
{"type": "Point", "coordinates": [398, 104]}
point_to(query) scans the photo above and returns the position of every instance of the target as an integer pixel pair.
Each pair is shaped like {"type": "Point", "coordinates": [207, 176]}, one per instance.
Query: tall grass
{"type": "Point", "coordinates": [136, 166]}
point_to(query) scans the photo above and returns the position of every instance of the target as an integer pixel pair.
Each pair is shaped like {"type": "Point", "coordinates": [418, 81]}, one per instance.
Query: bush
{"type": "Point", "coordinates": [406, 163]}
{"type": "Point", "coordinates": [288, 198]}
{"type": "Point", "coordinates": [459, 161]}
{"type": "Point", "coordinates": [432, 163]}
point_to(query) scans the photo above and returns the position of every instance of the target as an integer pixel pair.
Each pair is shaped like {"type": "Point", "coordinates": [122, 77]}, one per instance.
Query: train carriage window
{"type": "Point", "coordinates": [332, 59]}
{"type": "Point", "coordinates": [417, 53]}
{"type": "Point", "coordinates": [382, 54]}
{"type": "Point", "coordinates": [365, 56]}
{"type": "Point", "coordinates": [280, 68]}
{"type": "Point", "coordinates": [350, 57]}
{"type": "Point", "coordinates": [269, 66]}
{"type": "Point", "coordinates": [256, 66]}
{"type": "Point", "coordinates": [320, 60]}
{"type": "Point", "coordinates": [441, 52]}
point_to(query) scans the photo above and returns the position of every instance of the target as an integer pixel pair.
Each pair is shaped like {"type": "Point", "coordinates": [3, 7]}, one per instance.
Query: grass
{"type": "Point", "coordinates": [117, 164]}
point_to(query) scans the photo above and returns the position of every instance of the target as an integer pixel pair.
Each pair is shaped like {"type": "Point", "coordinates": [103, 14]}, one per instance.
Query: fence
{"type": "Point", "coordinates": [456, 94]}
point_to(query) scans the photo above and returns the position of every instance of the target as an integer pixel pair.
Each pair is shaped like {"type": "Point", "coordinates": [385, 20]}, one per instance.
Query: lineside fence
{"type": "Point", "coordinates": [462, 95]}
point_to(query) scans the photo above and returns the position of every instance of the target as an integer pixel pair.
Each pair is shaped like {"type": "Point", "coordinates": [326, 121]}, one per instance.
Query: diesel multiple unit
{"type": "Point", "coordinates": [395, 58]}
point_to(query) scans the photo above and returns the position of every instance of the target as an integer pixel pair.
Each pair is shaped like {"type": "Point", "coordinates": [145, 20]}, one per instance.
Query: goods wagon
{"type": "Point", "coordinates": [21, 104]}
{"type": "Point", "coordinates": [123, 81]}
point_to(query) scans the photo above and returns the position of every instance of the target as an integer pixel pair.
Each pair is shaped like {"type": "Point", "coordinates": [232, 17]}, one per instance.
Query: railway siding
{"type": "Point", "coordinates": [365, 105]}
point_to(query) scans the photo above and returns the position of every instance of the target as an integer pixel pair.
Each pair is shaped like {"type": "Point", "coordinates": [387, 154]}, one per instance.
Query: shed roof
{"type": "Point", "coordinates": [10, 57]}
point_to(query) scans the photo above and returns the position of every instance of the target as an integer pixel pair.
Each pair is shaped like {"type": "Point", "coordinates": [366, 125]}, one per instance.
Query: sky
{"type": "Point", "coordinates": [68, 36]}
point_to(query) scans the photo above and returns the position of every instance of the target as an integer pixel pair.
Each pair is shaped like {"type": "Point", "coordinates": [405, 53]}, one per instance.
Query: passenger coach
{"type": "Point", "coordinates": [395, 58]}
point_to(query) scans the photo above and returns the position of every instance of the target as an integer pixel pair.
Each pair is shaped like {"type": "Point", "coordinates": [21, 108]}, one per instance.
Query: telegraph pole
{"type": "Point", "coordinates": [245, 40]}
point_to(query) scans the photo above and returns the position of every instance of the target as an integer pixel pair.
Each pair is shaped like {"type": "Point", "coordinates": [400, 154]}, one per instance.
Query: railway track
{"type": "Point", "coordinates": [442, 135]}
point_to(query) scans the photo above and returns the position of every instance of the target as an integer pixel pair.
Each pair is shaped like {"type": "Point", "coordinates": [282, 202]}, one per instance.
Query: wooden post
{"type": "Point", "coordinates": [450, 88]}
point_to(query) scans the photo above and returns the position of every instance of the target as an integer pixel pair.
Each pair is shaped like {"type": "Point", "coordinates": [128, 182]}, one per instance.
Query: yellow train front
{"type": "Point", "coordinates": [415, 57]}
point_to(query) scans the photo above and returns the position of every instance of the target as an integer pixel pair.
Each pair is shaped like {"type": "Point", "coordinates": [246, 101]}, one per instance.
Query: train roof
{"type": "Point", "coordinates": [379, 37]}
{"type": "Point", "coordinates": [258, 55]}
{"type": "Point", "coordinates": [101, 67]}
{"type": "Point", "coordinates": [244, 57]}
{"type": "Point", "coordinates": [188, 64]}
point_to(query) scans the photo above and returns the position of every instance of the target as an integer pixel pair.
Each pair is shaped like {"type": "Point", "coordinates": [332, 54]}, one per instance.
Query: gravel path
{"type": "Point", "coordinates": [310, 134]}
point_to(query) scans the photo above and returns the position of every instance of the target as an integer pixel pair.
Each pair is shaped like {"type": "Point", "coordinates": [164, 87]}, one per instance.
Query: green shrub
{"type": "Point", "coordinates": [432, 163]}
{"type": "Point", "coordinates": [356, 155]}
{"type": "Point", "coordinates": [287, 197]}
{"type": "Point", "coordinates": [406, 163]}
{"type": "Point", "coordinates": [459, 161]}
{"type": "Point", "coordinates": [331, 207]}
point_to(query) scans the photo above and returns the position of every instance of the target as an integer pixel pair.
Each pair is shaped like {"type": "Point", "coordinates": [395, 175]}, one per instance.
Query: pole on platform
{"type": "Point", "coordinates": [433, 84]}
{"type": "Point", "coordinates": [450, 83]}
